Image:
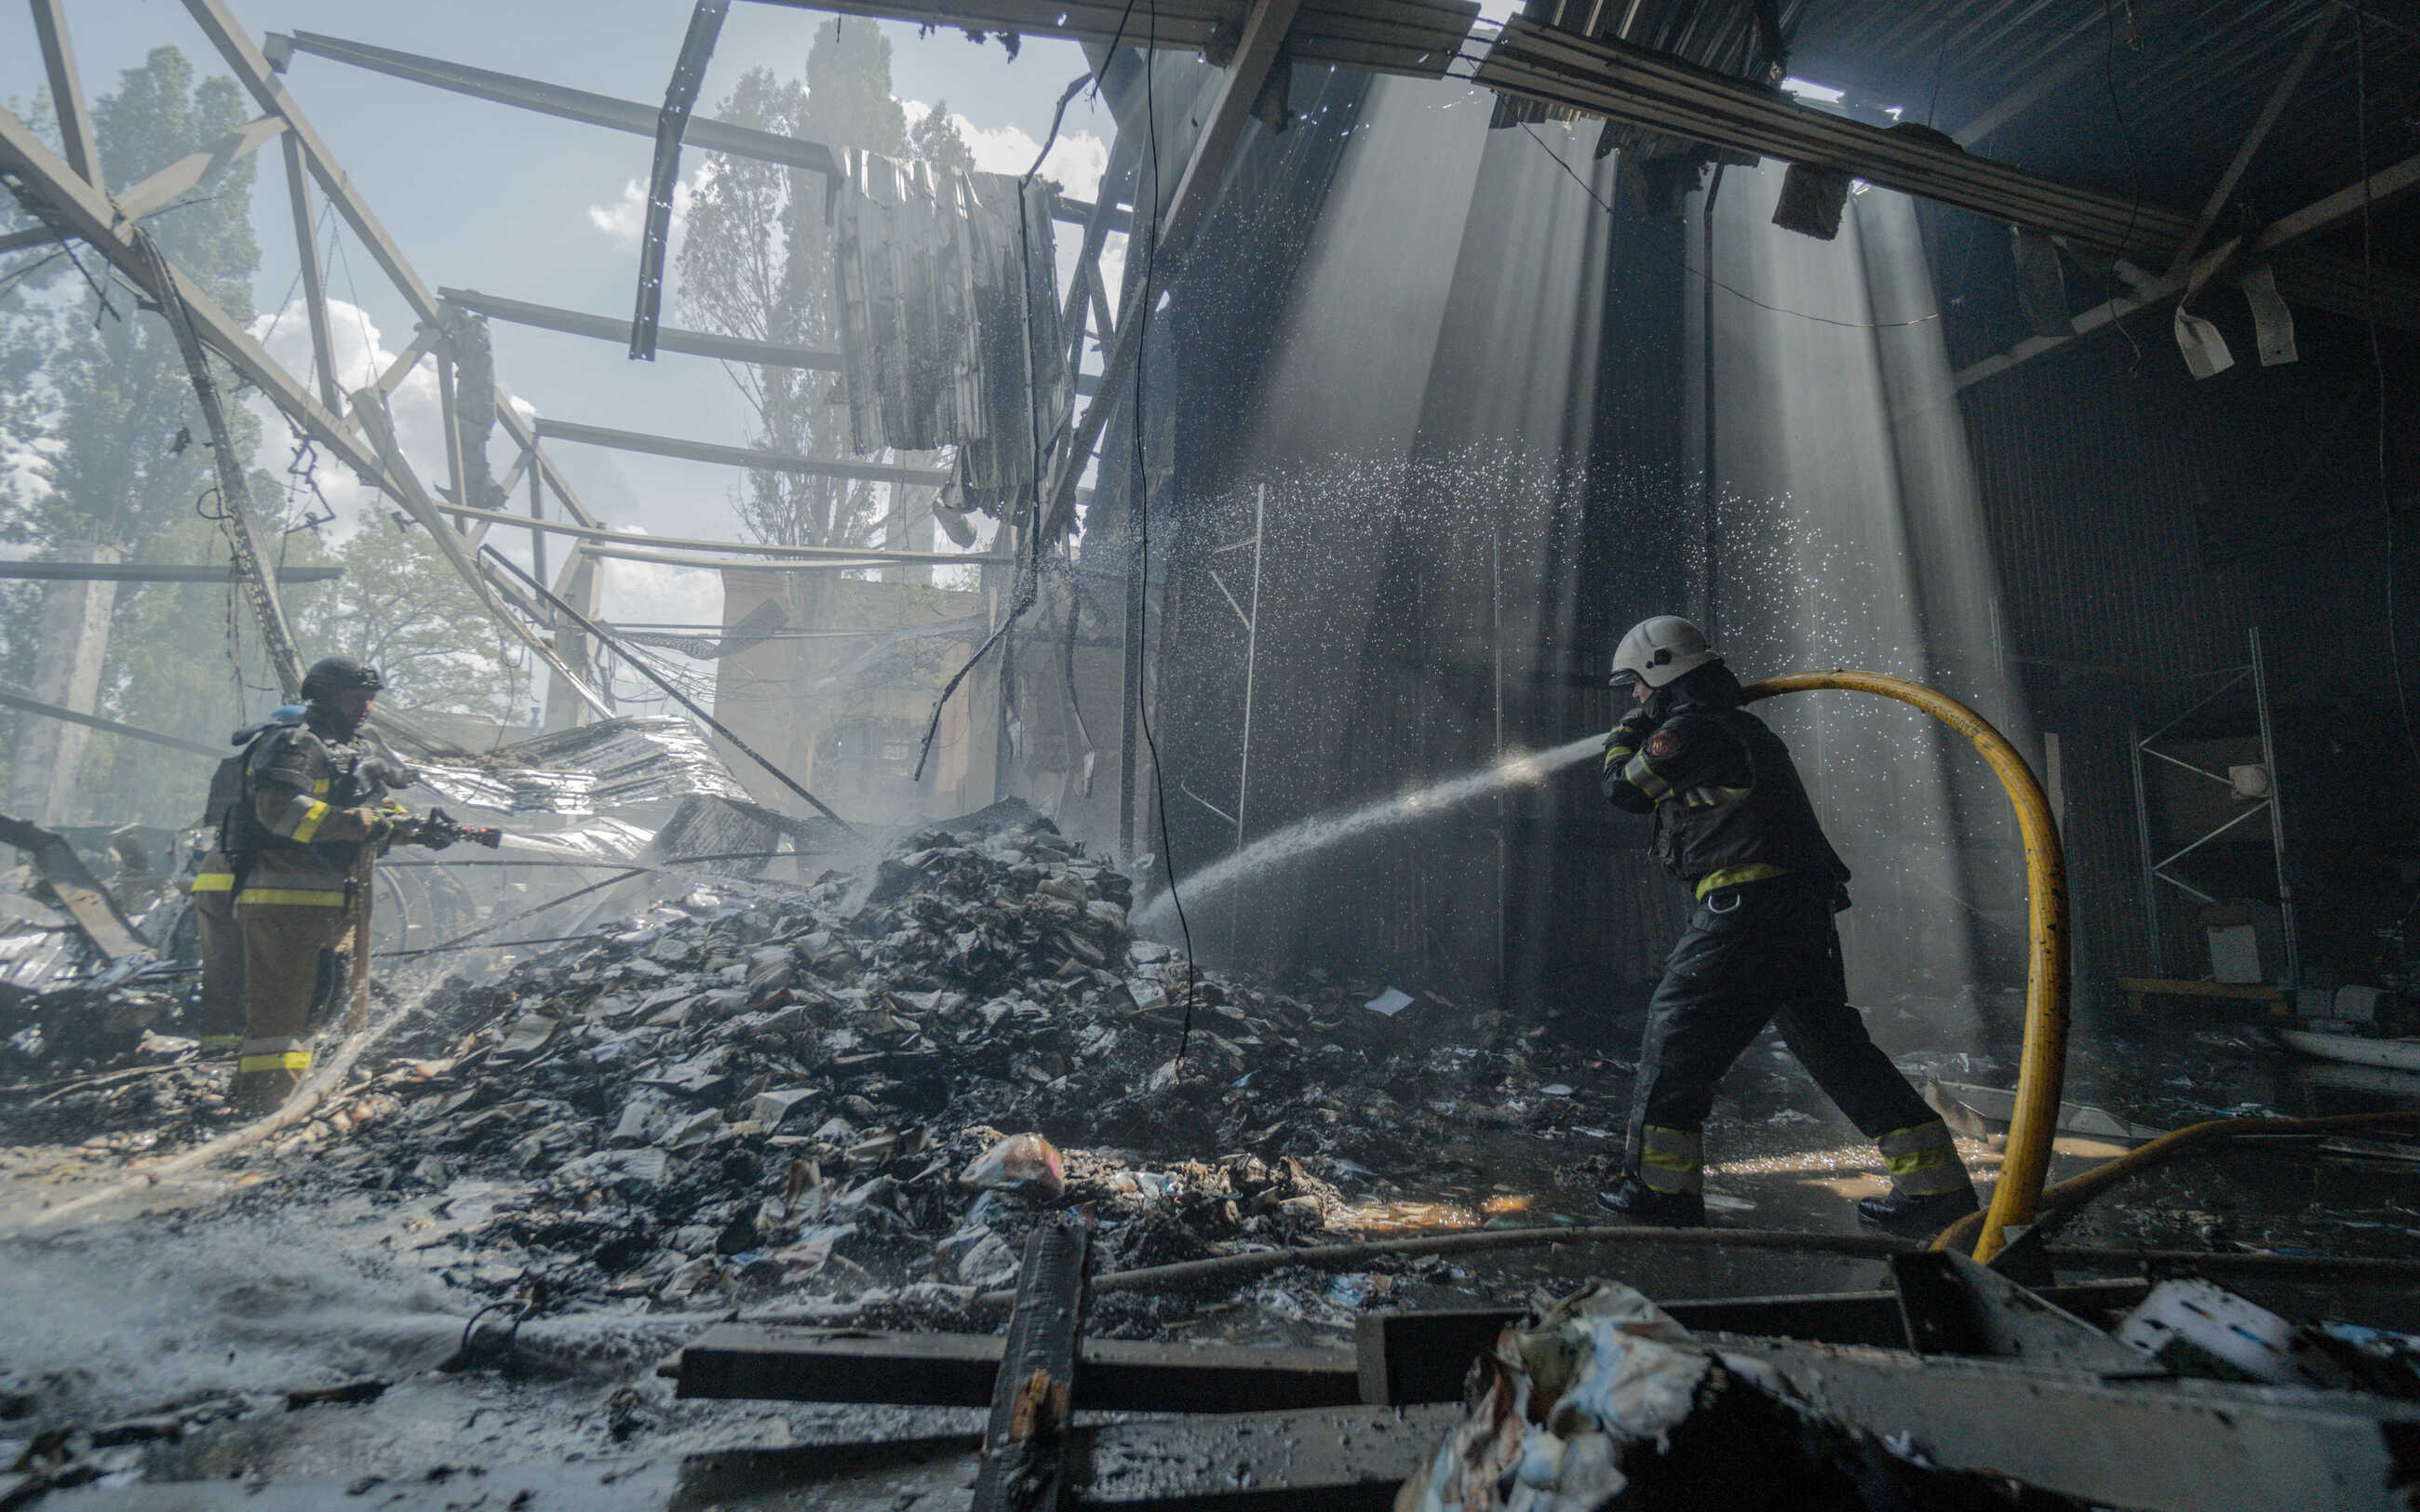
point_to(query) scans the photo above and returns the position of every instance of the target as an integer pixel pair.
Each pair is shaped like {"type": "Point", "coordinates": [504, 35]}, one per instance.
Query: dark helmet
{"type": "Point", "coordinates": [332, 675]}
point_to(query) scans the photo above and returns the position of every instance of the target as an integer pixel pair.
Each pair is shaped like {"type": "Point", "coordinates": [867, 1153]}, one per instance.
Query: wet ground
{"type": "Point", "coordinates": [176, 1318]}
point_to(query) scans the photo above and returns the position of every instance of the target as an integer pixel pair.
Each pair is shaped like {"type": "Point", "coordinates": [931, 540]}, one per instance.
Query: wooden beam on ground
{"type": "Point", "coordinates": [80, 148]}
{"type": "Point", "coordinates": [738, 456]}
{"type": "Point", "coordinates": [1320, 1460]}
{"type": "Point", "coordinates": [668, 338]}
{"type": "Point", "coordinates": [815, 1365]}
{"type": "Point", "coordinates": [1264, 30]}
{"type": "Point", "coordinates": [1024, 1468]}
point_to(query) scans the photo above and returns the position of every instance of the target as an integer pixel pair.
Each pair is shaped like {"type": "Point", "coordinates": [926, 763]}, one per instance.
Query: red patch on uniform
{"type": "Point", "coordinates": [1663, 743]}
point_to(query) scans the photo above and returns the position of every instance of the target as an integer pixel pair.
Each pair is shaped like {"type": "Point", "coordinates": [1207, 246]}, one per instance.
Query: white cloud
{"type": "Point", "coordinates": [360, 356]}
{"type": "Point", "coordinates": [657, 592]}
{"type": "Point", "coordinates": [626, 218]}
{"type": "Point", "coordinates": [1077, 161]}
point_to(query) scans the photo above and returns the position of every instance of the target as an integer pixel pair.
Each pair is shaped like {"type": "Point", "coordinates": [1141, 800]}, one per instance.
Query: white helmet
{"type": "Point", "coordinates": [1659, 649]}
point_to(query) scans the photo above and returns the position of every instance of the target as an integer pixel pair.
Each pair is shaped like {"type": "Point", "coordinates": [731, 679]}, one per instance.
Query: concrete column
{"type": "Point", "coordinates": [73, 637]}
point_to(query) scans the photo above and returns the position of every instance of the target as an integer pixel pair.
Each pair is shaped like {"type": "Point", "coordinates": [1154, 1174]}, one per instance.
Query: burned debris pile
{"type": "Point", "coordinates": [861, 1090]}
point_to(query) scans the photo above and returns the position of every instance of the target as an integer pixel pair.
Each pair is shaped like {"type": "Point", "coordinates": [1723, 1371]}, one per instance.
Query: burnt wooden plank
{"type": "Point", "coordinates": [1320, 1460]}
{"type": "Point", "coordinates": [1423, 1356]}
{"type": "Point", "coordinates": [824, 1365]}
{"type": "Point", "coordinates": [1024, 1467]}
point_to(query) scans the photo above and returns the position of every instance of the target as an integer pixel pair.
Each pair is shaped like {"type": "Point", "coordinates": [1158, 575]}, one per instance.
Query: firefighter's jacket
{"type": "Point", "coordinates": [1728, 801]}
{"type": "Point", "coordinates": [305, 821]}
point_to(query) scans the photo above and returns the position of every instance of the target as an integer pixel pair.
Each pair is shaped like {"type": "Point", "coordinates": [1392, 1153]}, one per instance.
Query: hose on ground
{"type": "Point", "coordinates": [2076, 1189]}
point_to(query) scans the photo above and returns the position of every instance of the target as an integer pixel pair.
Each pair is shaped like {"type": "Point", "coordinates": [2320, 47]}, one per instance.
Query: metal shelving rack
{"type": "Point", "coordinates": [2156, 868]}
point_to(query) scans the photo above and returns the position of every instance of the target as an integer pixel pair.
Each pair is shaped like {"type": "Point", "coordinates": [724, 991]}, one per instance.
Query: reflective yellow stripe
{"type": "Point", "coordinates": [313, 818]}
{"type": "Point", "coordinates": [1673, 1160]}
{"type": "Point", "coordinates": [302, 897]}
{"type": "Point", "coordinates": [214, 882]}
{"type": "Point", "coordinates": [1642, 776]}
{"type": "Point", "coordinates": [1731, 876]}
{"type": "Point", "coordinates": [1616, 755]}
{"type": "Point", "coordinates": [1922, 1159]}
{"type": "Point", "coordinates": [284, 1060]}
{"type": "Point", "coordinates": [319, 788]}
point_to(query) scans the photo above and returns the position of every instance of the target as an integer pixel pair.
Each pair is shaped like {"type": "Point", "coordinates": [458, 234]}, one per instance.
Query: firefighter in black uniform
{"type": "Point", "coordinates": [1734, 823]}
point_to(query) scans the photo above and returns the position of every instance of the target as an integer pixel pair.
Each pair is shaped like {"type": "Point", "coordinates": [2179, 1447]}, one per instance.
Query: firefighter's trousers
{"type": "Point", "coordinates": [219, 1017]}
{"type": "Point", "coordinates": [1766, 952]}
{"type": "Point", "coordinates": [283, 944]}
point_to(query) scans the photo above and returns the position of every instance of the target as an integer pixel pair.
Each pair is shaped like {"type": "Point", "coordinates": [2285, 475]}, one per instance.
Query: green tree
{"type": "Point", "coordinates": [402, 609]}
{"type": "Point", "coordinates": [94, 389]}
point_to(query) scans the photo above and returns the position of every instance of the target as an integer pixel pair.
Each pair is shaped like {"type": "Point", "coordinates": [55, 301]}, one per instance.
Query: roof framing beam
{"type": "Point", "coordinates": [855, 556]}
{"type": "Point", "coordinates": [582, 105]}
{"type": "Point", "coordinates": [738, 456]}
{"type": "Point", "coordinates": [1648, 88]}
{"type": "Point", "coordinates": [2389, 295]}
{"type": "Point", "coordinates": [668, 338]}
{"type": "Point", "coordinates": [83, 210]}
{"type": "Point", "coordinates": [1256, 52]}
{"type": "Point", "coordinates": [1417, 37]}
{"type": "Point", "coordinates": [2313, 39]}
{"type": "Point", "coordinates": [66, 90]}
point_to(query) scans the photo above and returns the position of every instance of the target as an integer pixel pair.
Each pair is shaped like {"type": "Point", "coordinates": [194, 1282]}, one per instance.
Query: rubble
{"type": "Point", "coordinates": [861, 1091]}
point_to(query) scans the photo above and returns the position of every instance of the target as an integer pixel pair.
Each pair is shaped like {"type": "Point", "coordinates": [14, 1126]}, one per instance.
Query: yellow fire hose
{"type": "Point", "coordinates": [2041, 1070]}
{"type": "Point", "coordinates": [2109, 1173]}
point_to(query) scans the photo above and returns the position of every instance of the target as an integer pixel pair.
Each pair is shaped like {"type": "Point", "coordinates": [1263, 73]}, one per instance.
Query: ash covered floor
{"type": "Point", "coordinates": [803, 1103]}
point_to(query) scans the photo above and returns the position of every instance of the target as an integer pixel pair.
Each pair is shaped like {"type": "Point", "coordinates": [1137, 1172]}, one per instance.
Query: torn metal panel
{"type": "Point", "coordinates": [591, 769]}
{"type": "Point", "coordinates": [600, 840]}
{"type": "Point", "coordinates": [941, 276]}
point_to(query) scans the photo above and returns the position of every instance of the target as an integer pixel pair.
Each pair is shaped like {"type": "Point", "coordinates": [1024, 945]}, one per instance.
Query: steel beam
{"type": "Point", "coordinates": [668, 338]}
{"type": "Point", "coordinates": [2313, 39]}
{"type": "Point", "coordinates": [52, 711]}
{"type": "Point", "coordinates": [66, 91]}
{"type": "Point", "coordinates": [738, 456]}
{"type": "Point", "coordinates": [143, 572]}
{"type": "Point", "coordinates": [663, 177]}
{"type": "Point", "coordinates": [1420, 39]}
{"type": "Point", "coordinates": [1256, 52]}
{"type": "Point", "coordinates": [857, 556]}
{"type": "Point", "coordinates": [2346, 204]}
{"type": "Point", "coordinates": [198, 168]}
{"type": "Point", "coordinates": [1644, 88]}
{"type": "Point", "coordinates": [582, 105]}
{"type": "Point", "coordinates": [314, 291]}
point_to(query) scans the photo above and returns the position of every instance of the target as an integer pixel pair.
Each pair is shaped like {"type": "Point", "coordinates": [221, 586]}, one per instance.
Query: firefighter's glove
{"type": "Point", "coordinates": [1631, 731]}
{"type": "Point", "coordinates": [377, 824]}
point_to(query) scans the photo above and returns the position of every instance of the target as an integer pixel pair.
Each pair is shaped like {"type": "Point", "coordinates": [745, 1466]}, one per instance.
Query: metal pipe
{"type": "Point", "coordinates": [2041, 1071]}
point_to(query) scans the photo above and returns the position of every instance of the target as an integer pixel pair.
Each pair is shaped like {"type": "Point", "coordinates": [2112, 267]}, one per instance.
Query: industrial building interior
{"type": "Point", "coordinates": [1026, 840]}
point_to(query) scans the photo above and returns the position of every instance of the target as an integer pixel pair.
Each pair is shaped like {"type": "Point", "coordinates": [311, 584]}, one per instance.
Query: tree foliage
{"type": "Point", "coordinates": [101, 440]}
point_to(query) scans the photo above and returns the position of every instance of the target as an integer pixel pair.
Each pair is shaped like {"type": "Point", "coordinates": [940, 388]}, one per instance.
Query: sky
{"type": "Point", "coordinates": [488, 198]}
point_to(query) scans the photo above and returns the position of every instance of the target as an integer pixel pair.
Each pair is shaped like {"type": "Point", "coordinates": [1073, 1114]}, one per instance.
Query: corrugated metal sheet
{"type": "Point", "coordinates": [950, 333]}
